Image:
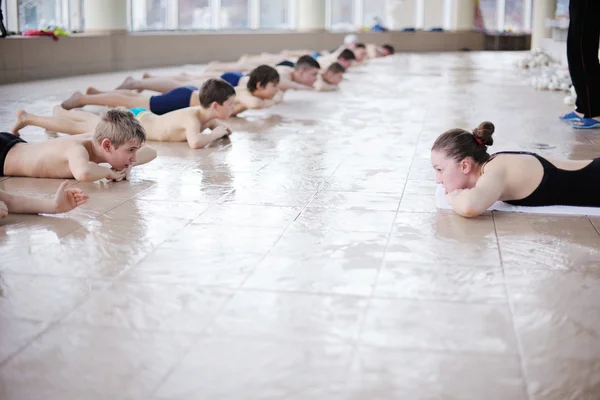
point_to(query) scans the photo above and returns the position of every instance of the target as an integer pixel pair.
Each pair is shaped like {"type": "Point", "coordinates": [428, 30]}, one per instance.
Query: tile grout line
{"type": "Point", "coordinates": [512, 314]}
{"type": "Point", "coordinates": [362, 323]}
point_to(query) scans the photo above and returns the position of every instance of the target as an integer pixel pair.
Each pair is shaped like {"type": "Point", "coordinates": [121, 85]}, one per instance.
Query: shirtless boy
{"type": "Point", "coordinates": [261, 83]}
{"type": "Point", "coordinates": [216, 103]}
{"type": "Point", "coordinates": [117, 140]}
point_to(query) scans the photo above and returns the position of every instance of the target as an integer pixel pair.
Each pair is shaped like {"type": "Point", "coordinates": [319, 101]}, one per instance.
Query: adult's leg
{"type": "Point", "coordinates": [582, 52]}
{"type": "Point", "coordinates": [111, 99]}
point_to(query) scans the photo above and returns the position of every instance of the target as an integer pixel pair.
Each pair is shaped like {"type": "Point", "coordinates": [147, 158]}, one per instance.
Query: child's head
{"type": "Point", "coordinates": [218, 95]}
{"type": "Point", "coordinates": [263, 82]}
{"type": "Point", "coordinates": [120, 135]}
{"type": "Point", "coordinates": [334, 74]}
{"type": "Point", "coordinates": [306, 70]}
{"type": "Point", "coordinates": [457, 154]}
{"type": "Point", "coordinates": [385, 50]}
{"type": "Point", "coordinates": [360, 51]}
{"type": "Point", "coordinates": [346, 57]}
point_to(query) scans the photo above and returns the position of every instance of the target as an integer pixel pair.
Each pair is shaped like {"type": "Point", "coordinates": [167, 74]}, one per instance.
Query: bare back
{"type": "Point", "coordinates": [173, 126]}
{"type": "Point", "coordinates": [523, 173]}
{"type": "Point", "coordinates": [48, 159]}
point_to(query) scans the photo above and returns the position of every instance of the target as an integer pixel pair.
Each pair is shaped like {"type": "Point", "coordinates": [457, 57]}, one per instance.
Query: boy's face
{"type": "Point", "coordinates": [223, 111]}
{"type": "Point", "coordinates": [360, 53]}
{"type": "Point", "coordinates": [382, 52]}
{"type": "Point", "coordinates": [333, 78]}
{"type": "Point", "coordinates": [308, 76]}
{"type": "Point", "coordinates": [345, 63]}
{"type": "Point", "coordinates": [266, 92]}
{"type": "Point", "coordinates": [123, 156]}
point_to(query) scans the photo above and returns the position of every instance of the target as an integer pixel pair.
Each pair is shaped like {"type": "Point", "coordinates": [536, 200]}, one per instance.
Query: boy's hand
{"type": "Point", "coordinates": [3, 210]}
{"type": "Point", "coordinates": [128, 172]}
{"type": "Point", "coordinates": [68, 199]}
{"type": "Point", "coordinates": [221, 131]}
{"type": "Point", "coordinates": [117, 176]}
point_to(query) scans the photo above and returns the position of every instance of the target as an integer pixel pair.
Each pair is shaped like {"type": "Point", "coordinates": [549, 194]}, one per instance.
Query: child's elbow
{"type": "Point", "coordinates": [152, 153]}
{"type": "Point", "coordinates": [196, 144]}
{"type": "Point", "coordinates": [84, 176]}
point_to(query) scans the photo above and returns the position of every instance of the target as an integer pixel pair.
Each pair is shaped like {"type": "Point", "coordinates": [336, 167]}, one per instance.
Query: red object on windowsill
{"type": "Point", "coordinates": [36, 32]}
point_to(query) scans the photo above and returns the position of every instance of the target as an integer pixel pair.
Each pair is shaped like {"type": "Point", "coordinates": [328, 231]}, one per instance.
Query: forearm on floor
{"type": "Point", "coordinates": [19, 204]}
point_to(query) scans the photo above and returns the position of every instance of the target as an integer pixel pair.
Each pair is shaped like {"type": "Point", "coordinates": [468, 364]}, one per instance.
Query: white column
{"type": "Point", "coordinates": [542, 11]}
{"type": "Point", "coordinates": [357, 13]}
{"type": "Point", "coordinates": [10, 8]}
{"type": "Point", "coordinates": [311, 15]}
{"type": "Point", "coordinates": [215, 14]}
{"type": "Point", "coordinates": [172, 15]}
{"type": "Point", "coordinates": [500, 15]}
{"type": "Point", "coordinates": [463, 15]}
{"type": "Point", "coordinates": [419, 14]}
{"type": "Point", "coordinates": [254, 14]}
{"type": "Point", "coordinates": [105, 15]}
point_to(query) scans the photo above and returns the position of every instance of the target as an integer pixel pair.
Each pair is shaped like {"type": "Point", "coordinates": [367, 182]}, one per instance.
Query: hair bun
{"type": "Point", "coordinates": [484, 133]}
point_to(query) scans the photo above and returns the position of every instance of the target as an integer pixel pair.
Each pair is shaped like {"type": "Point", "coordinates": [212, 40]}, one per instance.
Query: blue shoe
{"type": "Point", "coordinates": [570, 117]}
{"type": "Point", "coordinates": [586, 123]}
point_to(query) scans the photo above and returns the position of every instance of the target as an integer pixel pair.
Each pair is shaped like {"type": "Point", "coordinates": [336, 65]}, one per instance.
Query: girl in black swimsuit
{"type": "Point", "coordinates": [459, 158]}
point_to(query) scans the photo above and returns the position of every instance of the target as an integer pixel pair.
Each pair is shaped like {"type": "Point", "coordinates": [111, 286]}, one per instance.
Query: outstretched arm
{"type": "Point", "coordinates": [197, 140]}
{"type": "Point", "coordinates": [144, 155]}
{"type": "Point", "coordinates": [286, 84]}
{"type": "Point", "coordinates": [474, 202]}
{"type": "Point", "coordinates": [64, 200]}
{"type": "Point", "coordinates": [86, 171]}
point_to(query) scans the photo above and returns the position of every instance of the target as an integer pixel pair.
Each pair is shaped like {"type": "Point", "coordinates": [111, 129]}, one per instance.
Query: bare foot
{"type": "Point", "coordinates": [127, 83]}
{"type": "Point", "coordinates": [93, 90]}
{"type": "Point", "coordinates": [73, 102]}
{"type": "Point", "coordinates": [146, 75]}
{"type": "Point", "coordinates": [21, 122]}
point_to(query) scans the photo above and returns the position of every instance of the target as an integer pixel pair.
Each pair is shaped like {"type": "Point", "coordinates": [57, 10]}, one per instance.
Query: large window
{"type": "Point", "coordinates": [374, 11]}
{"type": "Point", "coordinates": [489, 14]}
{"type": "Point", "coordinates": [149, 15]}
{"type": "Point", "coordinates": [194, 14]}
{"type": "Point", "coordinates": [342, 15]}
{"type": "Point", "coordinates": [514, 20]}
{"type": "Point", "coordinates": [234, 14]}
{"type": "Point", "coordinates": [38, 14]}
{"type": "Point", "coordinates": [274, 14]}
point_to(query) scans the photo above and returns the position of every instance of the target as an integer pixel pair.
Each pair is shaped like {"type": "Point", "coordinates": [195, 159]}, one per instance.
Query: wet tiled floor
{"type": "Point", "coordinates": [305, 258]}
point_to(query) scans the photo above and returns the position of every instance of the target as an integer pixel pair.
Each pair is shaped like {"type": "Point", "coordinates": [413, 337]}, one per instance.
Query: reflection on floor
{"type": "Point", "coordinates": [305, 258]}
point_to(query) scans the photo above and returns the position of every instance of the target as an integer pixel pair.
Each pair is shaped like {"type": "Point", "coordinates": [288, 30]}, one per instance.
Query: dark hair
{"type": "Point", "coordinates": [262, 76]}
{"type": "Point", "coordinates": [347, 55]}
{"type": "Point", "coordinates": [359, 46]}
{"type": "Point", "coordinates": [215, 90]}
{"type": "Point", "coordinates": [336, 68]}
{"type": "Point", "coordinates": [389, 48]}
{"type": "Point", "coordinates": [460, 144]}
{"type": "Point", "coordinates": [307, 62]}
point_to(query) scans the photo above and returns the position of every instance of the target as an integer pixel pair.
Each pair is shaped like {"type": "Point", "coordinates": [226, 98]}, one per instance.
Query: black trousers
{"type": "Point", "coordinates": [582, 53]}
{"type": "Point", "coordinates": [2, 28]}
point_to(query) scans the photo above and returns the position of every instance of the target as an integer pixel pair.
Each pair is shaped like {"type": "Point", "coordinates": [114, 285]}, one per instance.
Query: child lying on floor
{"type": "Point", "coordinates": [118, 140]}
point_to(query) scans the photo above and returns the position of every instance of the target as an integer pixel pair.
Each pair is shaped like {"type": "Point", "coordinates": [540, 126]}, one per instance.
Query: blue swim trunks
{"type": "Point", "coordinates": [137, 111]}
{"type": "Point", "coordinates": [176, 99]}
{"type": "Point", "coordinates": [233, 78]}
